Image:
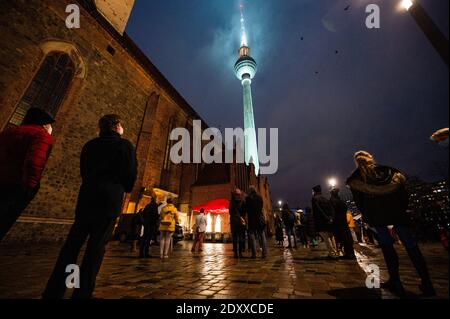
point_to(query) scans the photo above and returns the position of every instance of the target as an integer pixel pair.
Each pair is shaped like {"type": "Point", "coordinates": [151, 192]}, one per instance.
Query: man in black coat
{"type": "Point", "coordinates": [289, 224]}
{"type": "Point", "coordinates": [237, 222]}
{"type": "Point", "coordinates": [343, 233]}
{"type": "Point", "coordinates": [108, 170]}
{"type": "Point", "coordinates": [324, 216]}
{"type": "Point", "coordinates": [256, 221]}
{"type": "Point", "coordinates": [150, 220]}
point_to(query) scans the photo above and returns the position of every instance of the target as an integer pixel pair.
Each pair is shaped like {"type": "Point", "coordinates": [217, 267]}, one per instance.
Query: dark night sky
{"type": "Point", "coordinates": [385, 91]}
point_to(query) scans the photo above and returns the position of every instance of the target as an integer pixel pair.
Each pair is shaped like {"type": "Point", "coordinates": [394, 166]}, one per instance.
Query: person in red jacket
{"type": "Point", "coordinates": [24, 151]}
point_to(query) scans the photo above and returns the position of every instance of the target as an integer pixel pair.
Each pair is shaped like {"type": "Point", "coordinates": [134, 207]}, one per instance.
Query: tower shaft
{"type": "Point", "coordinates": [250, 143]}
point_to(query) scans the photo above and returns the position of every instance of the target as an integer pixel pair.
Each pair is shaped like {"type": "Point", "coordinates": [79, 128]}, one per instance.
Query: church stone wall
{"type": "Point", "coordinates": [110, 83]}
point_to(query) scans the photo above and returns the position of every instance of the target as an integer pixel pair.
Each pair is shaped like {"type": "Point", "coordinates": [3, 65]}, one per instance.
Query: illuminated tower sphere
{"type": "Point", "coordinates": [245, 69]}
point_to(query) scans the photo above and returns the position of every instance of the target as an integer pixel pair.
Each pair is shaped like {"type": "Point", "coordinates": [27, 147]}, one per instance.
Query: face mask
{"type": "Point", "coordinates": [119, 130]}
{"type": "Point", "coordinates": [48, 128]}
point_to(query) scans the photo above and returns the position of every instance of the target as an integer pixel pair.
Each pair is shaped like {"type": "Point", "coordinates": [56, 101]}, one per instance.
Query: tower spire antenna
{"type": "Point", "coordinates": [244, 41]}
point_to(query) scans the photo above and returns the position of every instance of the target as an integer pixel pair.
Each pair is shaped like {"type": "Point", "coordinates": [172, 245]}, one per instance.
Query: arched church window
{"type": "Point", "coordinates": [48, 87]}
{"type": "Point", "coordinates": [169, 144]}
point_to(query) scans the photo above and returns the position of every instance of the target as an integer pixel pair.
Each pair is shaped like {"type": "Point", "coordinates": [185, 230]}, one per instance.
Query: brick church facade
{"type": "Point", "coordinates": [79, 75]}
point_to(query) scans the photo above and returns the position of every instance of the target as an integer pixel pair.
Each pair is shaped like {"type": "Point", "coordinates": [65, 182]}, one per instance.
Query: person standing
{"type": "Point", "coordinates": [323, 213]}
{"type": "Point", "coordinates": [289, 224]}
{"type": "Point", "coordinates": [302, 229]}
{"type": "Point", "coordinates": [279, 235]}
{"type": "Point", "coordinates": [341, 227]}
{"type": "Point", "coordinates": [24, 151]}
{"type": "Point", "coordinates": [150, 219]}
{"type": "Point", "coordinates": [169, 218]}
{"type": "Point", "coordinates": [108, 170]}
{"type": "Point", "coordinates": [137, 227]}
{"type": "Point", "coordinates": [237, 222]}
{"type": "Point", "coordinates": [200, 231]}
{"type": "Point", "coordinates": [380, 195]}
{"type": "Point", "coordinates": [311, 227]}
{"type": "Point", "coordinates": [352, 226]}
{"type": "Point", "coordinates": [256, 221]}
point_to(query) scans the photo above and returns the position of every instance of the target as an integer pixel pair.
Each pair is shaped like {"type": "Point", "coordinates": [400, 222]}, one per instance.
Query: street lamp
{"type": "Point", "coordinates": [332, 182]}
{"type": "Point", "coordinates": [280, 203]}
{"type": "Point", "coordinates": [428, 27]}
{"type": "Point", "coordinates": [406, 4]}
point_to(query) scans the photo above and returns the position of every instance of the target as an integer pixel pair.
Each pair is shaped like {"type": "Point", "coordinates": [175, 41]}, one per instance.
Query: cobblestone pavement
{"type": "Point", "coordinates": [303, 273]}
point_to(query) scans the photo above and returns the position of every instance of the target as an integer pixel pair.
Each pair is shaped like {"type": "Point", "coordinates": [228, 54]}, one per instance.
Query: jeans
{"type": "Point", "coordinates": [290, 231]}
{"type": "Point", "coordinates": [386, 242]}
{"type": "Point", "coordinates": [262, 240]}
{"type": "Point", "coordinates": [198, 241]}
{"type": "Point", "coordinates": [238, 241]}
{"type": "Point", "coordinates": [384, 237]}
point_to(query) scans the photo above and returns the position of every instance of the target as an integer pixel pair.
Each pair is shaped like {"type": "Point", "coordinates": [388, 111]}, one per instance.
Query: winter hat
{"type": "Point", "coordinates": [317, 189]}
{"type": "Point", "coordinates": [37, 116]}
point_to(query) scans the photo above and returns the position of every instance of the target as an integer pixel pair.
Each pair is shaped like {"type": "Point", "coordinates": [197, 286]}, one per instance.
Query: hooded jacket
{"type": "Point", "coordinates": [382, 199]}
{"type": "Point", "coordinates": [169, 209]}
{"type": "Point", "coordinates": [24, 151]}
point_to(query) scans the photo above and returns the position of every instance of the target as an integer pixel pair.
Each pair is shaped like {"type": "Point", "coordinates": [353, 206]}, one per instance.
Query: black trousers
{"type": "Point", "coordinates": [344, 236]}
{"type": "Point", "coordinates": [238, 236]}
{"type": "Point", "coordinates": [99, 232]}
{"type": "Point", "coordinates": [144, 245]}
{"type": "Point", "coordinates": [13, 201]}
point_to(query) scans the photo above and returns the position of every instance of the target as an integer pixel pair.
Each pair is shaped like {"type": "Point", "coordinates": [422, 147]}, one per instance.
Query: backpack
{"type": "Point", "coordinates": [167, 219]}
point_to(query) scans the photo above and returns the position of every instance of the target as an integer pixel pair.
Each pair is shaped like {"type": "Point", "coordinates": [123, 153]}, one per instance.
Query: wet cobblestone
{"type": "Point", "coordinates": [303, 273]}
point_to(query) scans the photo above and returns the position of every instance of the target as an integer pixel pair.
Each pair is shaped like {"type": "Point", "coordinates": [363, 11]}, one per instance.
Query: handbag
{"type": "Point", "coordinates": [167, 219]}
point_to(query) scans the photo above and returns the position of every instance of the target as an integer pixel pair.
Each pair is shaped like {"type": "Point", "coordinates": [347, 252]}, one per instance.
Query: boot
{"type": "Point", "coordinates": [394, 283]}
{"type": "Point", "coordinates": [394, 286]}
{"type": "Point", "coordinates": [419, 263]}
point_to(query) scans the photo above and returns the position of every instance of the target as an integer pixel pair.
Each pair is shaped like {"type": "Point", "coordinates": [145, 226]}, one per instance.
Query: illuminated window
{"type": "Point", "coordinates": [218, 225]}
{"type": "Point", "coordinates": [209, 223]}
{"type": "Point", "coordinates": [48, 87]}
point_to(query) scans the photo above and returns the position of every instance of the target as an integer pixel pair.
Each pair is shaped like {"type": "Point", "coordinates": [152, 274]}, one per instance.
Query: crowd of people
{"type": "Point", "coordinates": [108, 168]}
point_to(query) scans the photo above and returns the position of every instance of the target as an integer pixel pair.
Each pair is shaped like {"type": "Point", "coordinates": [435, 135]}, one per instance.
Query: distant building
{"type": "Point", "coordinates": [212, 192]}
{"type": "Point", "coordinates": [429, 204]}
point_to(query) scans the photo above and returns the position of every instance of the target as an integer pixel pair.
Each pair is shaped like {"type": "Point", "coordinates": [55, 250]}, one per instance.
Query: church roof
{"type": "Point", "coordinates": [128, 45]}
